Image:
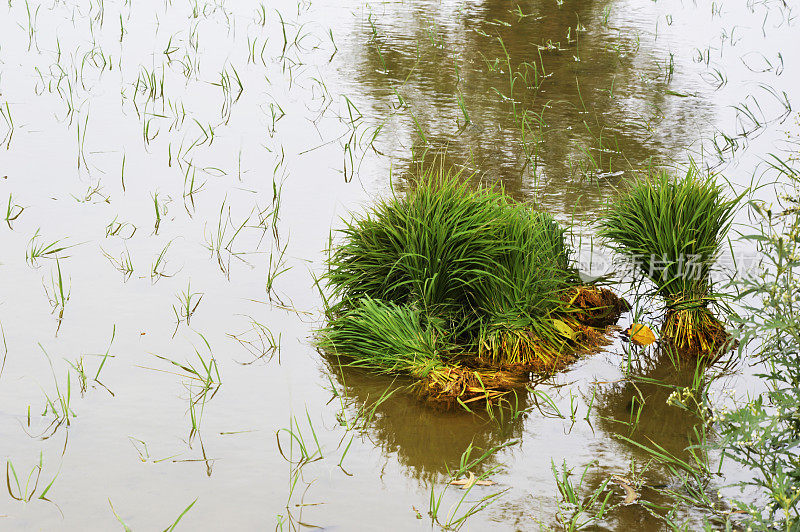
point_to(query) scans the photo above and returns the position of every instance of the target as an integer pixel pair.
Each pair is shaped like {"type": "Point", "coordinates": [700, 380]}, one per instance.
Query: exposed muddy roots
{"type": "Point", "coordinates": [508, 358]}
{"type": "Point", "coordinates": [520, 352]}
{"type": "Point", "coordinates": [596, 306]}
{"type": "Point", "coordinates": [452, 386]}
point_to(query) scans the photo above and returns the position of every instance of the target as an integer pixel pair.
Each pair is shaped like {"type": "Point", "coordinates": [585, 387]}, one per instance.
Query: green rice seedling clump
{"type": "Point", "coordinates": [673, 230]}
{"type": "Point", "coordinates": [469, 277]}
{"type": "Point", "coordinates": [388, 338]}
{"type": "Point", "coordinates": [433, 248]}
{"type": "Point", "coordinates": [385, 338]}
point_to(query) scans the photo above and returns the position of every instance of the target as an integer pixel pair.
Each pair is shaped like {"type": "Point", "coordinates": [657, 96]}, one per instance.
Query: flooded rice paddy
{"type": "Point", "coordinates": [170, 174]}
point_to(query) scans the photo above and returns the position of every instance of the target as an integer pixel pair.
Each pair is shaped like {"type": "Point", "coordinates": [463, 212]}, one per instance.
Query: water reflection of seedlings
{"type": "Point", "coordinates": [672, 428]}
{"type": "Point", "coordinates": [639, 405]}
{"type": "Point", "coordinates": [13, 211]}
{"type": "Point", "coordinates": [259, 341]}
{"type": "Point", "coordinates": [410, 65]}
{"type": "Point", "coordinates": [429, 443]}
{"type": "Point", "coordinates": [27, 491]}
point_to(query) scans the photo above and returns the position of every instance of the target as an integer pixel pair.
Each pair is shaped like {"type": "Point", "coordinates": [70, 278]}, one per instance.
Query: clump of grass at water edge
{"type": "Point", "coordinates": [673, 230]}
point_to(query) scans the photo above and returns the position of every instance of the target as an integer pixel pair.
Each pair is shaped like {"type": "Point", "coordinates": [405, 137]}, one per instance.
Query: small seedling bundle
{"type": "Point", "coordinates": [464, 290]}
{"type": "Point", "coordinates": [673, 230]}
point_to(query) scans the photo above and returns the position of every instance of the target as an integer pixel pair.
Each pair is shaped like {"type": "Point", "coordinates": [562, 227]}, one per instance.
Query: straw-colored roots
{"type": "Point", "coordinates": [517, 349]}
{"type": "Point", "coordinates": [585, 331]}
{"type": "Point", "coordinates": [694, 332]}
{"type": "Point", "coordinates": [446, 387]}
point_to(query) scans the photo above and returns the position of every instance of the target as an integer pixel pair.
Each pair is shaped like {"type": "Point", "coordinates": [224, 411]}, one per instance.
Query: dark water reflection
{"type": "Point", "coordinates": [560, 99]}
{"type": "Point", "coordinates": [640, 408]}
{"type": "Point", "coordinates": [427, 442]}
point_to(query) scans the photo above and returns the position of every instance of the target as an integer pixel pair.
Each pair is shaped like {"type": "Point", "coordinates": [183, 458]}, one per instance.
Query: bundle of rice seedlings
{"type": "Point", "coordinates": [388, 338]}
{"type": "Point", "coordinates": [385, 338]}
{"type": "Point", "coordinates": [469, 257]}
{"type": "Point", "coordinates": [521, 303]}
{"type": "Point", "coordinates": [430, 248]}
{"type": "Point", "coordinates": [456, 278]}
{"type": "Point", "coordinates": [674, 229]}
{"type": "Point", "coordinates": [450, 386]}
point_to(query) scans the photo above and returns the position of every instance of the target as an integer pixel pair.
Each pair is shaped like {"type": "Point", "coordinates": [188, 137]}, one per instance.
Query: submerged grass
{"type": "Point", "coordinates": [448, 279]}
{"type": "Point", "coordinates": [673, 230]}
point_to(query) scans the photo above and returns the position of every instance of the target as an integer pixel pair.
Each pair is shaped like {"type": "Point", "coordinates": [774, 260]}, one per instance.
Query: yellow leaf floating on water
{"type": "Point", "coordinates": [640, 334]}
{"type": "Point", "coordinates": [630, 494]}
{"type": "Point", "coordinates": [472, 480]}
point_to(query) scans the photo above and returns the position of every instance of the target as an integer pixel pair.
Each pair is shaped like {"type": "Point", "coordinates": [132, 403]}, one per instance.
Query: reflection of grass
{"type": "Point", "coordinates": [43, 250]}
{"type": "Point", "coordinates": [13, 211]}
{"type": "Point", "coordinates": [202, 382]}
{"type": "Point", "coordinates": [674, 230]}
{"type": "Point", "coordinates": [427, 443]}
{"type": "Point", "coordinates": [26, 491]}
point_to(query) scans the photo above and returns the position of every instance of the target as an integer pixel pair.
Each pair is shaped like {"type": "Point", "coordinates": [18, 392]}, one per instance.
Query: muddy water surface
{"type": "Point", "coordinates": [192, 160]}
